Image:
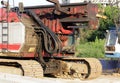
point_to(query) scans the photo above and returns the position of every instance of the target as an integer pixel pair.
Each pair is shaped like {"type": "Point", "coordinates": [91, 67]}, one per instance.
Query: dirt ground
{"type": "Point", "coordinates": [10, 78]}
{"type": "Point", "coordinates": [101, 79]}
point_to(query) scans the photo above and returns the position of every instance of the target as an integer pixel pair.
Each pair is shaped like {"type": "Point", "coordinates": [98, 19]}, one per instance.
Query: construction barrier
{"type": "Point", "coordinates": [110, 66]}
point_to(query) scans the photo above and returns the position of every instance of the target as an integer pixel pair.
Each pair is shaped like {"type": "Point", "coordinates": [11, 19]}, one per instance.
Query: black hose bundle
{"type": "Point", "coordinates": [52, 43]}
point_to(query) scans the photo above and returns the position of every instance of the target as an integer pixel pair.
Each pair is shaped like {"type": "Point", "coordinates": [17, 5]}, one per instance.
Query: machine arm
{"type": "Point", "coordinates": [58, 7]}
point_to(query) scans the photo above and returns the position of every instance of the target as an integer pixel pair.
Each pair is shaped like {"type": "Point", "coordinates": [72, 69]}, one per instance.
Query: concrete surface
{"type": "Point", "coordinates": [9, 78]}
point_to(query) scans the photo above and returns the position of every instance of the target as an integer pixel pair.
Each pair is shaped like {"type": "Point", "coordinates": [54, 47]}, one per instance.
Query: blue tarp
{"type": "Point", "coordinates": [109, 65]}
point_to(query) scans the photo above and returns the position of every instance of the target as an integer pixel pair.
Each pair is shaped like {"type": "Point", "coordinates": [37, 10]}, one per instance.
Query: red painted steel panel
{"type": "Point", "coordinates": [10, 46]}
{"type": "Point", "coordinates": [12, 16]}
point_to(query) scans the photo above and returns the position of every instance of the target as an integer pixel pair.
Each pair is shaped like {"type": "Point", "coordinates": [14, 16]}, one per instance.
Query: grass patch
{"type": "Point", "coordinates": [91, 49]}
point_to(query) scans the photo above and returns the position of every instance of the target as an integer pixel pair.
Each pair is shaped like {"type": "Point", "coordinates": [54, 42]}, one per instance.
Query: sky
{"type": "Point", "coordinates": [43, 2]}
{"type": "Point", "coordinates": [34, 2]}
{"type": "Point", "coordinates": [27, 2]}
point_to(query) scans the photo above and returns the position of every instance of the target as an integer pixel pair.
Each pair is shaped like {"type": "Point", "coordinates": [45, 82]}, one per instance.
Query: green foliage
{"type": "Point", "coordinates": [84, 35]}
{"type": "Point", "coordinates": [91, 49]}
{"type": "Point", "coordinates": [92, 42]}
{"type": "Point", "coordinates": [105, 24]}
{"type": "Point", "coordinates": [112, 14]}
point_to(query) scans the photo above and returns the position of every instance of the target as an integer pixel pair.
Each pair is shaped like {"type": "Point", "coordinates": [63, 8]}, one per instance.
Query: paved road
{"type": "Point", "coordinates": [9, 78]}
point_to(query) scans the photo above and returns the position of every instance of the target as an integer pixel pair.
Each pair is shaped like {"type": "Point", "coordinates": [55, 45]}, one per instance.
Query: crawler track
{"type": "Point", "coordinates": [22, 67]}
{"type": "Point", "coordinates": [82, 68]}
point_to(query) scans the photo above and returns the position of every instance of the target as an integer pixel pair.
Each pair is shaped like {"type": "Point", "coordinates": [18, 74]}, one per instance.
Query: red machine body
{"type": "Point", "coordinates": [64, 24]}
{"type": "Point", "coordinates": [40, 39]}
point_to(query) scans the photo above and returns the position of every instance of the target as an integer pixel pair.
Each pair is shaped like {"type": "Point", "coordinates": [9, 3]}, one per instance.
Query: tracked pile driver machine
{"type": "Point", "coordinates": [39, 40]}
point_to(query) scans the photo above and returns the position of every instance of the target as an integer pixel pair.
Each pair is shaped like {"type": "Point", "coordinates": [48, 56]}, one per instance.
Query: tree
{"type": "Point", "coordinates": [105, 24]}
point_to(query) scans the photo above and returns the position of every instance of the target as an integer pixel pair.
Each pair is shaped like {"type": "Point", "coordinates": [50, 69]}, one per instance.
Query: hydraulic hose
{"type": "Point", "coordinates": [52, 43]}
